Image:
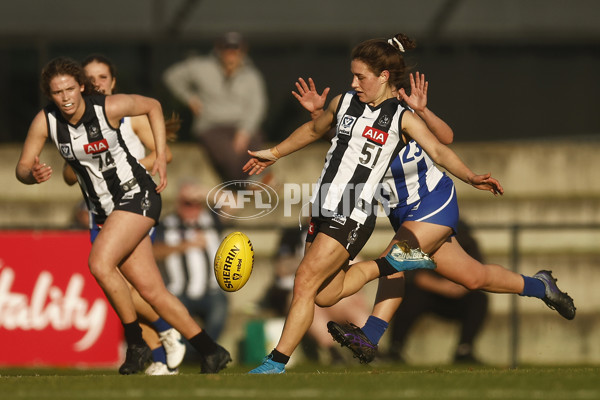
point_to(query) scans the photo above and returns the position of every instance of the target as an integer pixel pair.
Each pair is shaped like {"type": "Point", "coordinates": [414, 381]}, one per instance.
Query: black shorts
{"type": "Point", "coordinates": [147, 203]}
{"type": "Point", "coordinates": [349, 233]}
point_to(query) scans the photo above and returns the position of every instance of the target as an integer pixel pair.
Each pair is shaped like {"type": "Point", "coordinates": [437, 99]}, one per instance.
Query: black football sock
{"type": "Point", "coordinates": [203, 343]}
{"type": "Point", "coordinates": [133, 333]}
{"type": "Point", "coordinates": [279, 357]}
{"type": "Point", "coordinates": [385, 267]}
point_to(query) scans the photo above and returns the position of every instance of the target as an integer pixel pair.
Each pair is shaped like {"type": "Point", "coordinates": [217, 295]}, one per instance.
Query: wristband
{"type": "Point", "coordinates": [266, 154]}
{"type": "Point", "coordinates": [275, 152]}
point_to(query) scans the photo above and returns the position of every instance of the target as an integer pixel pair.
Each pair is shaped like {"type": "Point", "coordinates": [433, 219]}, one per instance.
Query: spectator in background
{"type": "Point", "coordinates": [227, 96]}
{"type": "Point", "coordinates": [427, 292]}
{"type": "Point", "coordinates": [185, 246]}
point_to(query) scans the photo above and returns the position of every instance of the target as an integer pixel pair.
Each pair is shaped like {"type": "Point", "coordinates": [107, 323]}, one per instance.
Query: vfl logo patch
{"type": "Point", "coordinates": [66, 151]}
{"type": "Point", "coordinates": [375, 135]}
{"type": "Point", "coordinates": [96, 147]}
{"type": "Point", "coordinates": [346, 126]}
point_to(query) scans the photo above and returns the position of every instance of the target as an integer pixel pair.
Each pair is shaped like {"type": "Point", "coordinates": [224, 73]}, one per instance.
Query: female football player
{"type": "Point", "coordinates": [164, 341]}
{"type": "Point", "coordinates": [370, 125]}
{"type": "Point", "coordinates": [424, 213]}
{"type": "Point", "coordinates": [120, 193]}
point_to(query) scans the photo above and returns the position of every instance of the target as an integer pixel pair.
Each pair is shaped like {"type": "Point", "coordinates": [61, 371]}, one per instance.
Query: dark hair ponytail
{"type": "Point", "coordinates": [386, 54]}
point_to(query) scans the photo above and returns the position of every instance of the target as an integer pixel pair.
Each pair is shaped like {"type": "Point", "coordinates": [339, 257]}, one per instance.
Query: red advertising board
{"type": "Point", "coordinates": [52, 311]}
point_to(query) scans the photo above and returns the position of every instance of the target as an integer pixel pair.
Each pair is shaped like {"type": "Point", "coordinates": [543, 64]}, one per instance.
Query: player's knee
{"type": "Point", "coordinates": [306, 281]}
{"type": "Point", "coordinates": [303, 290]}
{"type": "Point", "coordinates": [155, 294]}
{"type": "Point", "coordinates": [98, 269]}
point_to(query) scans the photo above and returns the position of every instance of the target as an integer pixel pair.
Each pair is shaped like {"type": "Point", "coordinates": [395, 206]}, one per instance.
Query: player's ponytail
{"type": "Point", "coordinates": [386, 54]}
{"type": "Point", "coordinates": [401, 42]}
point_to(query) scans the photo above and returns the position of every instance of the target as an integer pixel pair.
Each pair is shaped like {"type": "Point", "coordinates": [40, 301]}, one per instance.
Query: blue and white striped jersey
{"type": "Point", "coordinates": [412, 175]}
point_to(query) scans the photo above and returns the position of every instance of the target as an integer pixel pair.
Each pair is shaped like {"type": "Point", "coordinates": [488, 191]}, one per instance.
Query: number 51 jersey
{"type": "Point", "coordinates": [105, 169]}
{"type": "Point", "coordinates": [367, 140]}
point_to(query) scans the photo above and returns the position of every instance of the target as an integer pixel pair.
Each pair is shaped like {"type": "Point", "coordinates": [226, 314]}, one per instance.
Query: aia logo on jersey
{"type": "Point", "coordinates": [96, 147]}
{"type": "Point", "coordinates": [375, 135]}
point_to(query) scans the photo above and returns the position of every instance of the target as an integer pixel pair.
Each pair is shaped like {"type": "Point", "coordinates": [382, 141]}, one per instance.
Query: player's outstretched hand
{"type": "Point", "coordinates": [486, 182]}
{"type": "Point", "coordinates": [418, 92]}
{"type": "Point", "coordinates": [308, 96]}
{"type": "Point", "coordinates": [260, 160]}
{"type": "Point", "coordinates": [40, 172]}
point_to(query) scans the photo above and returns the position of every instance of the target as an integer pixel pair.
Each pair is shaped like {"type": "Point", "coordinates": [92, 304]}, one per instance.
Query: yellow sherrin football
{"type": "Point", "coordinates": [234, 261]}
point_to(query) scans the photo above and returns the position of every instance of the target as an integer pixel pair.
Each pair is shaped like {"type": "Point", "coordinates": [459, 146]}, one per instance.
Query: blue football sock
{"type": "Point", "coordinates": [533, 287]}
{"type": "Point", "coordinates": [159, 355]}
{"type": "Point", "coordinates": [374, 329]}
{"type": "Point", "coordinates": [161, 325]}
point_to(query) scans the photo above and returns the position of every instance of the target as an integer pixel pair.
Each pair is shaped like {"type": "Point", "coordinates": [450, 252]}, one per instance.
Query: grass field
{"type": "Point", "coordinates": [309, 382]}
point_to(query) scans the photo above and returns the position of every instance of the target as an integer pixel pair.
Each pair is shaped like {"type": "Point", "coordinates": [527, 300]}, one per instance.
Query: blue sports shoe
{"type": "Point", "coordinates": [269, 366]}
{"type": "Point", "coordinates": [554, 298]}
{"type": "Point", "coordinates": [403, 258]}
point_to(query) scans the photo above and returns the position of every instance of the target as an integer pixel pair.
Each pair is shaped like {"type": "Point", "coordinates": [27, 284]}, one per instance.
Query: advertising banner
{"type": "Point", "coordinates": [52, 311]}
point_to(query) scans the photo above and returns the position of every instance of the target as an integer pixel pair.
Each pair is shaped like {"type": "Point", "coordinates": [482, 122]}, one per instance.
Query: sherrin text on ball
{"type": "Point", "coordinates": [234, 261]}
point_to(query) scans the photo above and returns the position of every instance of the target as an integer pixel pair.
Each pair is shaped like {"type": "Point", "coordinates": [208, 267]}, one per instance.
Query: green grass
{"type": "Point", "coordinates": [309, 382]}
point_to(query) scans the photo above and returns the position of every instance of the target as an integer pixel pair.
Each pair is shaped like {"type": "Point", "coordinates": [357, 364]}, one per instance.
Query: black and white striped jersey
{"type": "Point", "coordinates": [106, 170]}
{"type": "Point", "coordinates": [367, 140]}
{"type": "Point", "coordinates": [190, 273]}
{"type": "Point", "coordinates": [132, 140]}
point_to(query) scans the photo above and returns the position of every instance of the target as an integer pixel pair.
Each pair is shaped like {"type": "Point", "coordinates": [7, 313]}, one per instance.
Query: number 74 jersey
{"type": "Point", "coordinates": [367, 140]}
{"type": "Point", "coordinates": [106, 170]}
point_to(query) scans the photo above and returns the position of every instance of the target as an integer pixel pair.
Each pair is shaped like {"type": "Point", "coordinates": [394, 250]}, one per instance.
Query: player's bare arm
{"type": "Point", "coordinates": [29, 170]}
{"type": "Point", "coordinates": [301, 137]}
{"type": "Point", "coordinates": [121, 105]}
